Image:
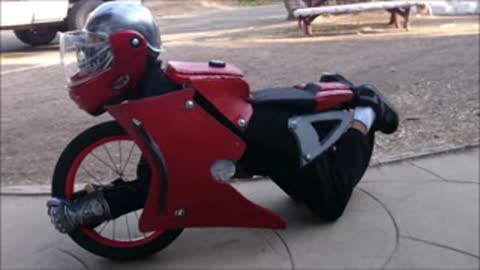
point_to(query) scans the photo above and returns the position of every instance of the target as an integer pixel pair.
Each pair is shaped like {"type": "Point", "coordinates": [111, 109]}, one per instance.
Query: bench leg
{"type": "Point", "coordinates": [305, 23]}
{"type": "Point", "coordinates": [404, 13]}
{"type": "Point", "coordinates": [393, 17]}
{"type": "Point", "coordinates": [406, 18]}
{"type": "Point", "coordinates": [307, 26]}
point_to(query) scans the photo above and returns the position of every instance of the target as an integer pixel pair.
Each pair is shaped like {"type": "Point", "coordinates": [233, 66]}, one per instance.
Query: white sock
{"type": "Point", "coordinates": [366, 115]}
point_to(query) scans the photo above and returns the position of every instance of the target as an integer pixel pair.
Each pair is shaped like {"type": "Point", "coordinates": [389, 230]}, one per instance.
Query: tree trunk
{"type": "Point", "coordinates": [291, 6]}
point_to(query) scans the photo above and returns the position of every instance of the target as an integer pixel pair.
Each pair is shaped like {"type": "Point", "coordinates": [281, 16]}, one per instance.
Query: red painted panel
{"type": "Point", "coordinates": [330, 98]}
{"type": "Point", "coordinates": [331, 94]}
{"type": "Point", "coordinates": [229, 95]}
{"type": "Point", "coordinates": [191, 141]}
{"type": "Point", "coordinates": [332, 86]}
{"type": "Point", "coordinates": [183, 71]}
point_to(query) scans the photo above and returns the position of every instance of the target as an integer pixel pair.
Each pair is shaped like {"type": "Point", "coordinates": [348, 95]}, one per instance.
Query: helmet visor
{"type": "Point", "coordinates": [84, 55]}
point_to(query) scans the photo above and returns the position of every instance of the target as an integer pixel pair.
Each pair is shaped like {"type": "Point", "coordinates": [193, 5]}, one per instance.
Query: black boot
{"type": "Point", "coordinates": [335, 77]}
{"type": "Point", "coordinates": [386, 117]}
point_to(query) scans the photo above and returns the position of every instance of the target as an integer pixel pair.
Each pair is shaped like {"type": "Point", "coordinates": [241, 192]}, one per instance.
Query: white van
{"type": "Point", "coordinates": [36, 22]}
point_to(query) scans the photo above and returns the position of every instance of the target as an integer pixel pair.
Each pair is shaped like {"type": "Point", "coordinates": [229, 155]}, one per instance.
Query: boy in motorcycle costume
{"type": "Point", "coordinates": [324, 185]}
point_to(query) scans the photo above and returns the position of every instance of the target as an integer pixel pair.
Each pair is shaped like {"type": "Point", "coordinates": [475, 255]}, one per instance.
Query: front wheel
{"type": "Point", "coordinates": [100, 155]}
{"type": "Point", "coordinates": [35, 37]}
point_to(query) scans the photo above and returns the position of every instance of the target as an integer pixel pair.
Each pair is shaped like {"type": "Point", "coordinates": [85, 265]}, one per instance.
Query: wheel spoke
{"type": "Point", "coordinates": [138, 221]}
{"type": "Point", "coordinates": [111, 159]}
{"type": "Point", "coordinates": [120, 154]}
{"type": "Point", "coordinates": [91, 175]}
{"type": "Point", "coordinates": [128, 158]}
{"type": "Point", "coordinates": [128, 228]}
{"type": "Point", "coordinates": [103, 228]}
{"type": "Point", "coordinates": [105, 163]}
{"type": "Point", "coordinates": [113, 231]}
{"type": "Point", "coordinates": [116, 161]}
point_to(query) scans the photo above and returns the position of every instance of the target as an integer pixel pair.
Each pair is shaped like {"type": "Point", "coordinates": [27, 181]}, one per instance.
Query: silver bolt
{"type": "Point", "coordinates": [135, 42]}
{"type": "Point", "coordinates": [242, 122]}
{"type": "Point", "coordinates": [189, 104]}
{"type": "Point", "coordinates": [307, 157]}
{"type": "Point", "coordinates": [180, 212]}
{"type": "Point", "coordinates": [136, 122]}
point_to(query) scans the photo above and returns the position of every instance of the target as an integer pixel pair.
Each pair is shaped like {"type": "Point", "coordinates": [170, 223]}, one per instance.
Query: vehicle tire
{"type": "Point", "coordinates": [35, 37]}
{"type": "Point", "coordinates": [78, 13]}
{"type": "Point", "coordinates": [67, 178]}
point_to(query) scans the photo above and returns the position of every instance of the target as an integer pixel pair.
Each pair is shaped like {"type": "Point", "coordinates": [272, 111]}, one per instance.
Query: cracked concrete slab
{"type": "Point", "coordinates": [28, 240]}
{"type": "Point", "coordinates": [209, 249]}
{"type": "Point", "coordinates": [402, 171]}
{"type": "Point", "coordinates": [462, 166]}
{"type": "Point", "coordinates": [24, 220]}
{"type": "Point", "coordinates": [417, 255]}
{"type": "Point", "coordinates": [441, 212]}
{"type": "Point", "coordinates": [318, 245]}
{"type": "Point", "coordinates": [399, 217]}
{"type": "Point", "coordinates": [311, 242]}
{"type": "Point", "coordinates": [46, 259]}
{"type": "Point", "coordinates": [25, 229]}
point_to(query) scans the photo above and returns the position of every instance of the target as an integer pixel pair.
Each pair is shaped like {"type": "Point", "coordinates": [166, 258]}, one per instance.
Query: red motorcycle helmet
{"type": "Point", "coordinates": [104, 62]}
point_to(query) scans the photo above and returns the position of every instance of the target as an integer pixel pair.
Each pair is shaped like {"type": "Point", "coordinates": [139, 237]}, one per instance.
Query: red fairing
{"type": "Point", "coordinates": [191, 140]}
{"type": "Point", "coordinates": [181, 72]}
{"type": "Point", "coordinates": [331, 98]}
{"type": "Point", "coordinates": [330, 95]}
{"type": "Point", "coordinates": [224, 87]}
{"type": "Point", "coordinates": [94, 94]}
{"type": "Point", "coordinates": [228, 95]}
{"type": "Point", "coordinates": [332, 86]}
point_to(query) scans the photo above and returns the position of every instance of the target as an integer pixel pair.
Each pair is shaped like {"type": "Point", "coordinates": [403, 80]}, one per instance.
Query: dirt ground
{"type": "Point", "coordinates": [430, 73]}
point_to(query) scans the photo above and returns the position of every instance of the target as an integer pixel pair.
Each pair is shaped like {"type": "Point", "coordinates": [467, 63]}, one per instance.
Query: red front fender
{"type": "Point", "coordinates": [190, 141]}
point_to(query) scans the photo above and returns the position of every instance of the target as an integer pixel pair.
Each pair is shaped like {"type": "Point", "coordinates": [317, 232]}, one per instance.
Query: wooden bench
{"type": "Point", "coordinates": [306, 16]}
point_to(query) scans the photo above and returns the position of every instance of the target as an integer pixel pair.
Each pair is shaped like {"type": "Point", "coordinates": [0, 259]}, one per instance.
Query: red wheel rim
{"type": "Point", "coordinates": [69, 190]}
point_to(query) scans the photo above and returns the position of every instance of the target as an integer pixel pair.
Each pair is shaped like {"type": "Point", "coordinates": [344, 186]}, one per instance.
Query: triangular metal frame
{"type": "Point", "coordinates": [308, 141]}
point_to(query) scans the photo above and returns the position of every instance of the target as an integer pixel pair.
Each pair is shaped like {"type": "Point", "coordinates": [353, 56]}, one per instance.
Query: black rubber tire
{"type": "Point", "coordinates": [62, 169]}
{"type": "Point", "coordinates": [35, 37]}
{"type": "Point", "coordinates": [78, 13]}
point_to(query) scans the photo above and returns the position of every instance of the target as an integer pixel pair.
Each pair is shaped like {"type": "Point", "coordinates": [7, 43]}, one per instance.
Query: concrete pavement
{"type": "Point", "coordinates": [416, 214]}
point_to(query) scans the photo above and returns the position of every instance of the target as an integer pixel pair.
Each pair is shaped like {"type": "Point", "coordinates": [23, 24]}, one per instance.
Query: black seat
{"type": "Point", "coordinates": [291, 97]}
